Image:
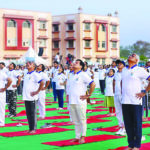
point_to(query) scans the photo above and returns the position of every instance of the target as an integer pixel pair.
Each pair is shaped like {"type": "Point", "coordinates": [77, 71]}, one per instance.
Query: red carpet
{"type": "Point", "coordinates": [115, 128]}
{"type": "Point", "coordinates": [110, 129]}
{"type": "Point", "coordinates": [52, 109]}
{"type": "Point", "coordinates": [88, 122]}
{"type": "Point", "coordinates": [90, 139]}
{"type": "Point", "coordinates": [38, 131]}
{"type": "Point", "coordinates": [99, 116]}
{"type": "Point", "coordinates": [145, 146]}
{"type": "Point", "coordinates": [46, 118]}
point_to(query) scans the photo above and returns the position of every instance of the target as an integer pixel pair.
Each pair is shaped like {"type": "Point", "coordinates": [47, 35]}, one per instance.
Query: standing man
{"type": "Point", "coordinates": [5, 82]}
{"type": "Point", "coordinates": [32, 85]}
{"type": "Point", "coordinates": [54, 76]}
{"type": "Point", "coordinates": [132, 102]}
{"type": "Point", "coordinates": [12, 90]}
{"type": "Point", "coordinates": [102, 75]}
{"type": "Point", "coordinates": [77, 99]}
{"type": "Point", "coordinates": [118, 97]}
{"type": "Point", "coordinates": [41, 100]}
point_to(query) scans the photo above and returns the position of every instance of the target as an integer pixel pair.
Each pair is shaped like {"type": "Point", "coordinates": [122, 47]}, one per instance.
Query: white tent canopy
{"type": "Point", "coordinates": [31, 55]}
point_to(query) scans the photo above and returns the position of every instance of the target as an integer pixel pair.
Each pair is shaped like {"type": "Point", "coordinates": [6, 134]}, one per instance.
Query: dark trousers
{"type": "Point", "coordinates": [145, 105]}
{"type": "Point", "coordinates": [31, 112]}
{"type": "Point", "coordinates": [54, 91]}
{"type": "Point", "coordinates": [102, 85]}
{"type": "Point", "coordinates": [132, 115]}
{"type": "Point", "coordinates": [11, 96]}
{"type": "Point", "coordinates": [60, 94]}
{"type": "Point", "coordinates": [19, 88]}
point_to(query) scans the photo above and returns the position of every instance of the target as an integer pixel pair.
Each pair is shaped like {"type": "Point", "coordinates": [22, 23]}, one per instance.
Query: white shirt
{"type": "Point", "coordinates": [31, 84]}
{"type": "Point", "coordinates": [3, 79]}
{"type": "Point", "coordinates": [44, 77]}
{"type": "Point", "coordinates": [66, 72]}
{"type": "Point", "coordinates": [54, 72]}
{"type": "Point", "coordinates": [109, 86]}
{"type": "Point", "coordinates": [131, 84]}
{"type": "Point", "coordinates": [14, 77]}
{"type": "Point", "coordinates": [61, 78]}
{"type": "Point", "coordinates": [69, 78]}
{"type": "Point", "coordinates": [88, 72]}
{"type": "Point", "coordinates": [117, 78]}
{"type": "Point", "coordinates": [102, 73]}
{"type": "Point", "coordinates": [78, 87]}
{"type": "Point", "coordinates": [57, 58]}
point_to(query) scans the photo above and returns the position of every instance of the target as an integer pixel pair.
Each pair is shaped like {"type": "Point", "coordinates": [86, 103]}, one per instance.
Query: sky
{"type": "Point", "coordinates": [134, 15]}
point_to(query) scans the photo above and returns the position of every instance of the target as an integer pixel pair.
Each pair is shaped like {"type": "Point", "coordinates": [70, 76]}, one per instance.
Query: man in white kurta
{"type": "Point", "coordinates": [5, 82]}
{"type": "Point", "coordinates": [77, 99]}
{"type": "Point", "coordinates": [41, 96]}
{"type": "Point", "coordinates": [118, 97]}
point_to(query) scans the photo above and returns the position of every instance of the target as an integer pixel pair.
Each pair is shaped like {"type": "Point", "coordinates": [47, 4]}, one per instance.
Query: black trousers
{"type": "Point", "coordinates": [31, 112]}
{"type": "Point", "coordinates": [11, 96]}
{"type": "Point", "coordinates": [102, 85]}
{"type": "Point", "coordinates": [132, 115]}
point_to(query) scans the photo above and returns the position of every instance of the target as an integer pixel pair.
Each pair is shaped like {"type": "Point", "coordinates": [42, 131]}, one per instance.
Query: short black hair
{"type": "Point", "coordinates": [13, 65]}
{"type": "Point", "coordinates": [43, 67]}
{"type": "Point", "coordinates": [55, 62]}
{"type": "Point", "coordinates": [2, 63]}
{"type": "Point", "coordinates": [81, 63]}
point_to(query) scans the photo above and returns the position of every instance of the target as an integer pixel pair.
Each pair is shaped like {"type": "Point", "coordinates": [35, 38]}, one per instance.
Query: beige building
{"type": "Point", "coordinates": [94, 38]}
{"type": "Point", "coordinates": [22, 29]}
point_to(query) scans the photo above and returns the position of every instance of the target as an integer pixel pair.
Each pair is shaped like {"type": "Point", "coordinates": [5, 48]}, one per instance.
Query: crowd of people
{"type": "Point", "coordinates": [125, 87]}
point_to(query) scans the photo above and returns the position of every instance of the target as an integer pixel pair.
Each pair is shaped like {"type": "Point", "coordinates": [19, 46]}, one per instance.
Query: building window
{"type": "Point", "coordinates": [103, 61]}
{"type": "Point", "coordinates": [87, 43]}
{"type": "Point", "coordinates": [114, 44]}
{"type": "Point", "coordinates": [55, 27]}
{"type": "Point", "coordinates": [103, 28]}
{"type": "Point", "coordinates": [114, 28]}
{"type": "Point", "coordinates": [26, 34]}
{"type": "Point", "coordinates": [103, 44]}
{"type": "Point", "coordinates": [11, 33]}
{"type": "Point", "coordinates": [56, 44]}
{"type": "Point", "coordinates": [70, 26]}
{"type": "Point", "coordinates": [71, 44]}
{"type": "Point", "coordinates": [42, 43]}
{"type": "Point", "coordinates": [98, 44]}
{"type": "Point", "coordinates": [11, 23]}
{"type": "Point", "coordinates": [26, 24]}
{"type": "Point", "coordinates": [87, 26]}
{"type": "Point", "coordinates": [42, 24]}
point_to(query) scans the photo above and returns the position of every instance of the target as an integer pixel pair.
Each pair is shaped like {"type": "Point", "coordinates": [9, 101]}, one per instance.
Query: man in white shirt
{"type": "Point", "coordinates": [118, 97]}
{"type": "Point", "coordinates": [77, 99]}
{"type": "Point", "coordinates": [32, 85]}
{"type": "Point", "coordinates": [12, 90]}
{"type": "Point", "coordinates": [54, 76]}
{"type": "Point", "coordinates": [57, 57]}
{"type": "Point", "coordinates": [102, 75]}
{"type": "Point", "coordinates": [132, 100]}
{"type": "Point", "coordinates": [3, 67]}
{"type": "Point", "coordinates": [5, 82]}
{"type": "Point", "coordinates": [41, 96]}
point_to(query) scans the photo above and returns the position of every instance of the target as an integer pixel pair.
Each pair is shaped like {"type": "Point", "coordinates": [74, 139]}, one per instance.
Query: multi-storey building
{"type": "Point", "coordinates": [22, 29]}
{"type": "Point", "coordinates": [92, 37]}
